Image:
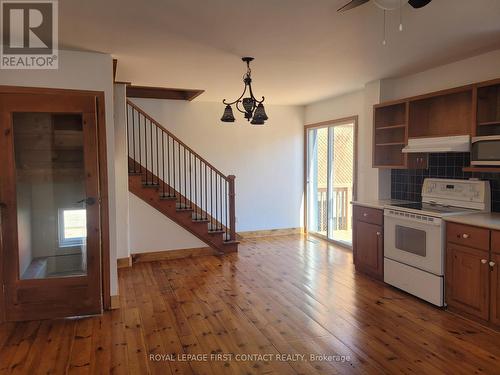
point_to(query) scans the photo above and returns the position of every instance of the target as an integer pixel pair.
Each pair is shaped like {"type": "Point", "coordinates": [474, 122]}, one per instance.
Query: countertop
{"type": "Point", "coordinates": [490, 220]}
{"type": "Point", "coordinates": [380, 204]}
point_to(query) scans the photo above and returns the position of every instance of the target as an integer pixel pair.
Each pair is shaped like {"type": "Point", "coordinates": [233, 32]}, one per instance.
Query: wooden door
{"type": "Point", "coordinates": [495, 289]}
{"type": "Point", "coordinates": [49, 190]}
{"type": "Point", "coordinates": [369, 254]}
{"type": "Point", "coordinates": [467, 280]}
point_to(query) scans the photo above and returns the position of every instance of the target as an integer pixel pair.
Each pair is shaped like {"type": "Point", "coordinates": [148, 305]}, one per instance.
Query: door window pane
{"type": "Point", "coordinates": [50, 183]}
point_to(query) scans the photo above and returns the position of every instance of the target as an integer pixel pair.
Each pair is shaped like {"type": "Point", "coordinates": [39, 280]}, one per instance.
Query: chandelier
{"type": "Point", "coordinates": [252, 108]}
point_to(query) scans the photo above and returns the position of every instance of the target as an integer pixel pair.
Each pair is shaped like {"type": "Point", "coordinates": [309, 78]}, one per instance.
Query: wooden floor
{"type": "Point", "coordinates": [280, 297]}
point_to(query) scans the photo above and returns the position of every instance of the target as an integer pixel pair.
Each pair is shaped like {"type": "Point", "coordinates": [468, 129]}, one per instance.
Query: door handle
{"type": "Point", "coordinates": [88, 201]}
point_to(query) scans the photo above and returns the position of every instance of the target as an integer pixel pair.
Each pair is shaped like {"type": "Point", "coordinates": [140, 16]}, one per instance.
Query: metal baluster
{"type": "Point", "coordinates": [168, 163]}
{"type": "Point", "coordinates": [157, 158]}
{"type": "Point", "coordinates": [179, 171]}
{"type": "Point", "coordinates": [206, 193]}
{"type": "Point", "coordinates": [133, 138]}
{"type": "Point", "coordinates": [163, 162]}
{"type": "Point", "coordinates": [128, 143]}
{"type": "Point", "coordinates": [216, 204]}
{"type": "Point", "coordinates": [151, 151]}
{"type": "Point", "coordinates": [220, 199]}
{"type": "Point", "coordinates": [185, 177]}
{"type": "Point", "coordinates": [226, 200]}
{"type": "Point", "coordinates": [196, 207]}
{"type": "Point", "coordinates": [191, 179]}
{"type": "Point", "coordinates": [211, 199]}
{"type": "Point", "coordinates": [140, 147]}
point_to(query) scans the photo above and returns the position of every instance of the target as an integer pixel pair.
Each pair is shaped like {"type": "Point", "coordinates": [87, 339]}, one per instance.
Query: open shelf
{"type": "Point", "coordinates": [391, 144]}
{"type": "Point", "coordinates": [482, 169]}
{"type": "Point", "coordinates": [488, 123]}
{"type": "Point", "coordinates": [488, 107]}
{"type": "Point", "coordinates": [400, 126]}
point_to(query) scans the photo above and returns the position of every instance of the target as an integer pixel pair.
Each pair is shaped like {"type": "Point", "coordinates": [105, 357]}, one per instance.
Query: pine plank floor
{"type": "Point", "coordinates": [280, 296]}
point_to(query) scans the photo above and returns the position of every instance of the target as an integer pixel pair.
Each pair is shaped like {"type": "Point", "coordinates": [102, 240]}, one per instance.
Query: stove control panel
{"type": "Point", "coordinates": [461, 193]}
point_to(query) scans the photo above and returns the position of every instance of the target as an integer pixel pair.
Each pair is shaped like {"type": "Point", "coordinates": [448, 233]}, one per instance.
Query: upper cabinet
{"type": "Point", "coordinates": [441, 115]}
{"type": "Point", "coordinates": [468, 110]}
{"type": "Point", "coordinates": [488, 110]}
{"type": "Point", "coordinates": [390, 135]}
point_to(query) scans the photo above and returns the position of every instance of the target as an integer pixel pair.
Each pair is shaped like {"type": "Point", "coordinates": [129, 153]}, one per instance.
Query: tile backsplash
{"type": "Point", "coordinates": [407, 183]}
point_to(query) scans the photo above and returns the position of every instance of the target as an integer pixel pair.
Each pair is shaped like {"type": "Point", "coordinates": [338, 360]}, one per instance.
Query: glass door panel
{"type": "Point", "coordinates": [50, 180]}
{"type": "Point", "coordinates": [330, 181]}
{"type": "Point", "coordinates": [341, 182]}
{"type": "Point", "coordinates": [317, 178]}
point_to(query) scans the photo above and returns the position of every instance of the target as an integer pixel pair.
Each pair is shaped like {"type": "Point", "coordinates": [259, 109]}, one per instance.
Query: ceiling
{"type": "Point", "coordinates": [305, 51]}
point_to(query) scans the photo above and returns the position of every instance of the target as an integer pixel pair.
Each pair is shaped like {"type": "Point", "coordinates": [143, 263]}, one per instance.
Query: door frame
{"type": "Point", "coordinates": [103, 185]}
{"type": "Point", "coordinates": [326, 124]}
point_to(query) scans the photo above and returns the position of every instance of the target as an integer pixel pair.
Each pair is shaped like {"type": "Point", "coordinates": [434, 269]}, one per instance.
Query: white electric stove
{"type": "Point", "coordinates": [414, 234]}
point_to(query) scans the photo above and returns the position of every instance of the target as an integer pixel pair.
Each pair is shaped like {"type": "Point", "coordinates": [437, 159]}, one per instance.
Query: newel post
{"type": "Point", "coordinates": [232, 208]}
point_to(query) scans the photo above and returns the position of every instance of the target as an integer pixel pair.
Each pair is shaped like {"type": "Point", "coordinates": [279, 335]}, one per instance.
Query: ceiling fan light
{"type": "Point", "coordinates": [228, 115]}
{"type": "Point", "coordinates": [418, 3]}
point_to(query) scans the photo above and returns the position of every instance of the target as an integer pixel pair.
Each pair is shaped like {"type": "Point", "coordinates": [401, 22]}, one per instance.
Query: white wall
{"type": "Point", "coordinates": [121, 171]}
{"type": "Point", "coordinates": [81, 71]}
{"type": "Point", "coordinates": [267, 160]}
{"type": "Point", "coordinates": [475, 69]}
{"type": "Point", "coordinates": [150, 230]}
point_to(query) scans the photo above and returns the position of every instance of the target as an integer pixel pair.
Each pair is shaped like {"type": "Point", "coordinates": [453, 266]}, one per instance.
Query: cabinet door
{"type": "Point", "coordinates": [369, 252]}
{"type": "Point", "coordinates": [467, 280]}
{"type": "Point", "coordinates": [495, 289]}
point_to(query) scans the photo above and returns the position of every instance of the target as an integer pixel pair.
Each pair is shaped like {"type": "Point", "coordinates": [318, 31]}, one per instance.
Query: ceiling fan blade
{"type": "Point", "coordinates": [352, 4]}
{"type": "Point", "coordinates": [418, 3]}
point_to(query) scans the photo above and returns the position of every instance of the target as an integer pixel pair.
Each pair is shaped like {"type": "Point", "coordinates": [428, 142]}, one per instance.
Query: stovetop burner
{"type": "Point", "coordinates": [430, 208]}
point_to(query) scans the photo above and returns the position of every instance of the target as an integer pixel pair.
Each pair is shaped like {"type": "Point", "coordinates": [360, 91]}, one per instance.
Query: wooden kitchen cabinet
{"type": "Point", "coordinates": [495, 290]}
{"type": "Point", "coordinates": [467, 280]}
{"type": "Point", "coordinates": [472, 275]}
{"type": "Point", "coordinates": [368, 244]}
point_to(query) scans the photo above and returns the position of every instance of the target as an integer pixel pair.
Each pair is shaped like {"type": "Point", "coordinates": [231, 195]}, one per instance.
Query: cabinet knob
{"type": "Point", "coordinates": [365, 214]}
{"type": "Point", "coordinates": [484, 261]}
{"type": "Point", "coordinates": [465, 235]}
{"type": "Point", "coordinates": [492, 264]}
{"type": "Point", "coordinates": [379, 234]}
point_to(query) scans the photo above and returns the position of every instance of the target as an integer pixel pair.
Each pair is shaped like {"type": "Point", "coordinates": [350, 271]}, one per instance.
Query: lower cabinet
{"type": "Point", "coordinates": [368, 244]}
{"type": "Point", "coordinates": [495, 290]}
{"type": "Point", "coordinates": [472, 275]}
{"type": "Point", "coordinates": [467, 280]}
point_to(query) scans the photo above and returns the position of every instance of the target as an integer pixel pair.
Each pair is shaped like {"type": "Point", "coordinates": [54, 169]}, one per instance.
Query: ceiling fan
{"type": "Point", "coordinates": [384, 4]}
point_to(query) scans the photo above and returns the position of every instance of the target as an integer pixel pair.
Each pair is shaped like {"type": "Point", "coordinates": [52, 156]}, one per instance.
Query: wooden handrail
{"type": "Point", "coordinates": [157, 124]}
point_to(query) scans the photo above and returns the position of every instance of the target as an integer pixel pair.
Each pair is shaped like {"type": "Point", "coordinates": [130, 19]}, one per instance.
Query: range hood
{"type": "Point", "coordinates": [459, 143]}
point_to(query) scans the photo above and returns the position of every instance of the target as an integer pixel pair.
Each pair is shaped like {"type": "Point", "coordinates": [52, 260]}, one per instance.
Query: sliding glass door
{"type": "Point", "coordinates": [330, 180]}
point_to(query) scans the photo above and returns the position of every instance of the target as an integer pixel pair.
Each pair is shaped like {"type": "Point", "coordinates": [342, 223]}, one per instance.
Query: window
{"type": "Point", "coordinates": [72, 227]}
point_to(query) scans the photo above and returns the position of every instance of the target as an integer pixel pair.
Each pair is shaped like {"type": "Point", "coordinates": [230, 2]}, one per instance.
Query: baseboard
{"type": "Point", "coordinates": [124, 262]}
{"type": "Point", "coordinates": [270, 232]}
{"type": "Point", "coordinates": [171, 254]}
{"type": "Point", "coordinates": [115, 302]}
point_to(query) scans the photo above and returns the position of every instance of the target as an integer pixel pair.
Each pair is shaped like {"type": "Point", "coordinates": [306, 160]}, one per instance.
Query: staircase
{"type": "Point", "coordinates": [171, 177]}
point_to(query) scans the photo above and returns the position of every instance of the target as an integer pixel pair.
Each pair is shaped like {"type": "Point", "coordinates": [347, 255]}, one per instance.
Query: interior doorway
{"type": "Point", "coordinates": [53, 219]}
{"type": "Point", "coordinates": [330, 179]}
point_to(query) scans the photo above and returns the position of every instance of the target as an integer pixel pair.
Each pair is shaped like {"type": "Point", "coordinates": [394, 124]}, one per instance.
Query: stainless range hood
{"type": "Point", "coordinates": [460, 143]}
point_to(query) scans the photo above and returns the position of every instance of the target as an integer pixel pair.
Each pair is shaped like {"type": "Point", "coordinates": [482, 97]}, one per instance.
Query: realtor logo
{"type": "Point", "coordinates": [29, 34]}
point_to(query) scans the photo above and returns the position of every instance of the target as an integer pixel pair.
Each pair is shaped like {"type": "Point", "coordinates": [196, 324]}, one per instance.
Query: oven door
{"type": "Point", "coordinates": [416, 242]}
{"type": "Point", "coordinates": [485, 150]}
